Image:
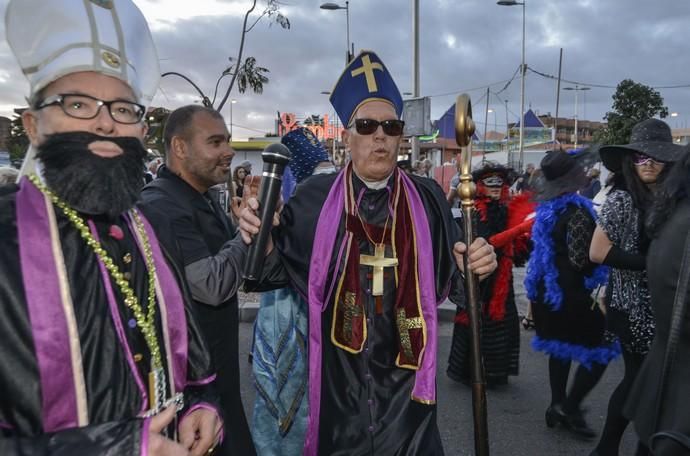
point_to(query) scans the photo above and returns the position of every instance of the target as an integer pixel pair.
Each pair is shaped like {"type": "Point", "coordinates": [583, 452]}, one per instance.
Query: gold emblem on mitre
{"type": "Point", "coordinates": [107, 4]}
{"type": "Point", "coordinates": [111, 59]}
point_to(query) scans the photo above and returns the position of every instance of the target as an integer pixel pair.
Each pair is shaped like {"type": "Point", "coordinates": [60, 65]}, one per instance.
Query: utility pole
{"type": "Point", "coordinates": [414, 140]}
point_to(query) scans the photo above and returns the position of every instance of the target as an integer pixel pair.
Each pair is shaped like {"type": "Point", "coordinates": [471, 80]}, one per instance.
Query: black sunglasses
{"type": "Point", "coordinates": [392, 127]}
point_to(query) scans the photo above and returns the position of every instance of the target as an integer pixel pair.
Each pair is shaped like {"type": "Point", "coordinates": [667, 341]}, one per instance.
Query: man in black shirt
{"type": "Point", "coordinates": [198, 156]}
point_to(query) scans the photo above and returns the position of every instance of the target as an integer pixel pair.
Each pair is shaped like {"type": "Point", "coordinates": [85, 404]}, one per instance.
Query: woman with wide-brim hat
{"type": "Point", "coordinates": [620, 242]}
{"type": "Point", "coordinates": [659, 403]}
{"type": "Point", "coordinates": [560, 280]}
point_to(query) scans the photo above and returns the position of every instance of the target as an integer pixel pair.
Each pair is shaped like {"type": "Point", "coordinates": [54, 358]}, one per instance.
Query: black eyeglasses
{"type": "Point", "coordinates": [392, 127]}
{"type": "Point", "coordinates": [87, 107]}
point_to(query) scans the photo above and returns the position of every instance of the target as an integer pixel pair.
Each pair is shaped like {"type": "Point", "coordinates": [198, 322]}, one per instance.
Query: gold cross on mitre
{"type": "Point", "coordinates": [378, 262]}
{"type": "Point", "coordinates": [368, 69]}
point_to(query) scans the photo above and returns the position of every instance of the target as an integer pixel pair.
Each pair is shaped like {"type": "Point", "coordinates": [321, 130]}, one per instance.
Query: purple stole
{"type": "Point", "coordinates": [53, 323]}
{"type": "Point", "coordinates": [320, 288]}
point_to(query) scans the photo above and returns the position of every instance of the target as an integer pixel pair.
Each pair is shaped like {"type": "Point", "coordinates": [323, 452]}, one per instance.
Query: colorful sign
{"type": "Point", "coordinates": [323, 128]}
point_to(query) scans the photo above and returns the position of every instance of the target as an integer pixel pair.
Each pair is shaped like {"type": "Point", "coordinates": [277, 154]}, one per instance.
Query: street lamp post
{"type": "Point", "coordinates": [523, 72]}
{"type": "Point", "coordinates": [232, 102]}
{"type": "Point", "coordinates": [576, 89]}
{"type": "Point", "coordinates": [204, 99]}
{"type": "Point", "coordinates": [334, 6]}
{"type": "Point", "coordinates": [507, 130]}
{"type": "Point", "coordinates": [334, 140]}
{"type": "Point", "coordinates": [491, 111]}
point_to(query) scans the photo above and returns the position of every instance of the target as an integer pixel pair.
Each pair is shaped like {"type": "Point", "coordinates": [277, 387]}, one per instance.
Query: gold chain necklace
{"type": "Point", "coordinates": [146, 323]}
{"type": "Point", "coordinates": [366, 232]}
{"type": "Point", "coordinates": [364, 227]}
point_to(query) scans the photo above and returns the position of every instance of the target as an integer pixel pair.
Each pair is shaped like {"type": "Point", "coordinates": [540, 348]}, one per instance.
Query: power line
{"type": "Point", "coordinates": [234, 125]}
{"type": "Point", "coordinates": [603, 86]}
{"type": "Point", "coordinates": [502, 104]}
{"type": "Point", "coordinates": [549, 76]}
{"type": "Point", "coordinates": [455, 92]}
{"type": "Point", "coordinates": [509, 82]}
{"type": "Point", "coordinates": [681, 86]}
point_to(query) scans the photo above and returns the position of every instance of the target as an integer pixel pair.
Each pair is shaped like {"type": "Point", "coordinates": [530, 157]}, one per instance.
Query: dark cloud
{"type": "Point", "coordinates": [464, 45]}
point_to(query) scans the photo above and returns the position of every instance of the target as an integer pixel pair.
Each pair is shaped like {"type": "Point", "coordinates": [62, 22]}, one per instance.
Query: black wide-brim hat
{"type": "Point", "coordinates": [651, 137]}
{"type": "Point", "coordinates": [563, 172]}
{"type": "Point", "coordinates": [489, 168]}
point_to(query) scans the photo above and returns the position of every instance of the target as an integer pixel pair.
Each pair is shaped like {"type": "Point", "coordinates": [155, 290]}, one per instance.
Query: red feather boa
{"type": "Point", "coordinates": [513, 239]}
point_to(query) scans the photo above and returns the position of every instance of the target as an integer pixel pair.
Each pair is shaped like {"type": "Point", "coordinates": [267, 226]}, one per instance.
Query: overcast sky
{"type": "Point", "coordinates": [465, 45]}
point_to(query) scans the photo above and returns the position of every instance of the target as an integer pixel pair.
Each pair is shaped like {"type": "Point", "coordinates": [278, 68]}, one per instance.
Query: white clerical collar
{"type": "Point", "coordinates": [374, 185]}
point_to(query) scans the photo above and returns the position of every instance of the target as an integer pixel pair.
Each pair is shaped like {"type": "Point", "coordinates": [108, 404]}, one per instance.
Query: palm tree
{"type": "Point", "coordinates": [251, 75]}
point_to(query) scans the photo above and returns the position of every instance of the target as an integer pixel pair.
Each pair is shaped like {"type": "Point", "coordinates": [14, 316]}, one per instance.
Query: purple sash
{"type": "Point", "coordinates": [49, 324]}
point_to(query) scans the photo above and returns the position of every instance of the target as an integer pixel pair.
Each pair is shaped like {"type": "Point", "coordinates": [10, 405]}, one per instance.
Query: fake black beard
{"type": "Point", "coordinates": [87, 182]}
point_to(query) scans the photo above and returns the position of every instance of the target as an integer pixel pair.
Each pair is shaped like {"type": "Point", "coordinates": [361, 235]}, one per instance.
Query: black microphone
{"type": "Point", "coordinates": [276, 156]}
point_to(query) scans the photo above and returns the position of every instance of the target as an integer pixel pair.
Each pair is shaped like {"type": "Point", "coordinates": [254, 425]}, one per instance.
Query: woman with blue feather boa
{"type": "Point", "coordinates": [560, 281]}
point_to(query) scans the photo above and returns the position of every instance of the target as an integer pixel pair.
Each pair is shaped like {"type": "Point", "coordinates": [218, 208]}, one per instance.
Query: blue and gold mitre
{"type": "Point", "coordinates": [365, 78]}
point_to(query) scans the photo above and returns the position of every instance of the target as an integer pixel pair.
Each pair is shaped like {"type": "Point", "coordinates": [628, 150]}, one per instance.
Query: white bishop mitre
{"type": "Point", "coordinates": [53, 38]}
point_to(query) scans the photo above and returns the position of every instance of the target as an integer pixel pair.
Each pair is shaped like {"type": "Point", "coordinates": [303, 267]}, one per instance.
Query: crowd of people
{"type": "Point", "coordinates": [591, 284]}
{"type": "Point", "coordinates": [119, 298]}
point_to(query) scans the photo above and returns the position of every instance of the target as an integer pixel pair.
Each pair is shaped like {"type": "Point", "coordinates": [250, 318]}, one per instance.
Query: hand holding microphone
{"type": "Point", "coordinates": [276, 157]}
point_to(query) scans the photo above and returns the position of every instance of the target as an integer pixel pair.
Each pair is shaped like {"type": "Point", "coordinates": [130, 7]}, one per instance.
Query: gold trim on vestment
{"type": "Point", "coordinates": [422, 401]}
{"type": "Point", "coordinates": [336, 304]}
{"type": "Point", "coordinates": [417, 294]}
{"type": "Point", "coordinates": [394, 228]}
{"type": "Point", "coordinates": [162, 309]}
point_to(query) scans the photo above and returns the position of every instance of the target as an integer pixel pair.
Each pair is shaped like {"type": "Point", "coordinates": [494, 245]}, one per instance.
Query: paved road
{"type": "Point", "coordinates": [516, 411]}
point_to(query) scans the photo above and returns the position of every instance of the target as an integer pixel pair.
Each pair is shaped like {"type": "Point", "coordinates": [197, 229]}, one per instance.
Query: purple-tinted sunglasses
{"type": "Point", "coordinates": [642, 159]}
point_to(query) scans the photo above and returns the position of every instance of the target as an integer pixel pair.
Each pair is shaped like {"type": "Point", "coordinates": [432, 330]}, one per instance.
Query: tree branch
{"type": "Point", "coordinates": [256, 22]}
{"type": "Point", "coordinates": [239, 57]}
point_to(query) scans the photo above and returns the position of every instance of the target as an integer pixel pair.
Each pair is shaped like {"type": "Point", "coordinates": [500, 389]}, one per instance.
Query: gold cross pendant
{"type": "Point", "coordinates": [378, 262]}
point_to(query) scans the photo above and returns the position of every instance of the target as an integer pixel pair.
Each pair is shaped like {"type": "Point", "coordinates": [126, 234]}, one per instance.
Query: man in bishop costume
{"type": "Point", "coordinates": [374, 251]}
{"type": "Point", "coordinates": [100, 353]}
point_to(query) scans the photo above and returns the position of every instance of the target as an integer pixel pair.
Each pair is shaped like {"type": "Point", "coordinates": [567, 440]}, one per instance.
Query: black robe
{"type": "Point", "coordinates": [663, 269]}
{"type": "Point", "coordinates": [114, 401]}
{"type": "Point", "coordinates": [500, 339]}
{"type": "Point", "coordinates": [200, 231]}
{"type": "Point", "coordinates": [365, 398]}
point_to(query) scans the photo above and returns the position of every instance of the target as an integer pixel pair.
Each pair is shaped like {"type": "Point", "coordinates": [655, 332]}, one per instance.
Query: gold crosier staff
{"type": "Point", "coordinates": [464, 129]}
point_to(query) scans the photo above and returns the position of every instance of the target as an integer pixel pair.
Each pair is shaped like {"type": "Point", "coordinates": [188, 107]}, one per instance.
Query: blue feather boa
{"type": "Point", "coordinates": [585, 356]}
{"type": "Point", "coordinates": [542, 266]}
